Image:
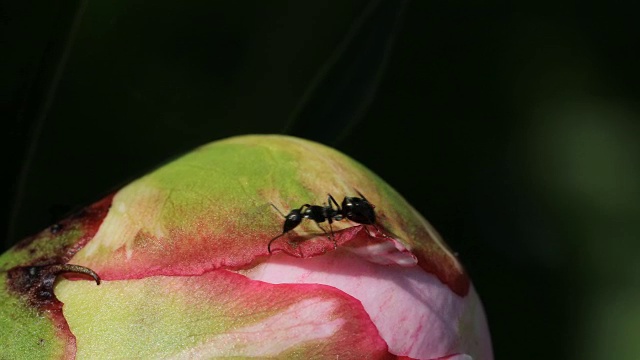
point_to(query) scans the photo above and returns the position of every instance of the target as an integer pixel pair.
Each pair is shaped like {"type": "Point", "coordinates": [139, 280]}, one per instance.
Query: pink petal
{"type": "Point", "coordinates": [416, 314]}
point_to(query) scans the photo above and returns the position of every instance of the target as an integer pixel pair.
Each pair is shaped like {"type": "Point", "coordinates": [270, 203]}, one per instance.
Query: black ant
{"type": "Point", "coordinates": [356, 209]}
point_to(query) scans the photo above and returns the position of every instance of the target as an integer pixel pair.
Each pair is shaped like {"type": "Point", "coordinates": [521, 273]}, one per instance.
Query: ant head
{"type": "Point", "coordinates": [359, 209]}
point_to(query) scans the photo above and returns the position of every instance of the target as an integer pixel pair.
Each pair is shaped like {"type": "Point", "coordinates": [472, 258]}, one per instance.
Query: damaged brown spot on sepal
{"type": "Point", "coordinates": [35, 282]}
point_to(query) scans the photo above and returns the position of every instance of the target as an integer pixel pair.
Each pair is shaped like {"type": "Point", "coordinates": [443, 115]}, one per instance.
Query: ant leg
{"type": "Point", "coordinates": [375, 227]}
{"type": "Point", "coordinates": [333, 237]}
{"type": "Point", "coordinates": [285, 216]}
{"type": "Point", "coordinates": [337, 213]}
{"type": "Point", "coordinates": [362, 196]}
{"type": "Point", "coordinates": [304, 206]}
{"type": "Point", "coordinates": [325, 231]}
{"type": "Point", "coordinates": [333, 200]}
{"type": "Point", "coordinates": [272, 240]}
{"type": "Point", "coordinates": [359, 193]}
{"type": "Point", "coordinates": [377, 230]}
{"type": "Point", "coordinates": [367, 229]}
{"type": "Point", "coordinates": [278, 210]}
{"type": "Point", "coordinates": [329, 236]}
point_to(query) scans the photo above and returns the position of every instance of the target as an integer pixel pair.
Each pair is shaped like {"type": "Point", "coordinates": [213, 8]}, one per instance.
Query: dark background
{"type": "Point", "coordinates": [511, 127]}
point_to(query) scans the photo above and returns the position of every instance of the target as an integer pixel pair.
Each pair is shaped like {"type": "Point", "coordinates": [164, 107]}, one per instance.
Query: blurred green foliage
{"type": "Point", "coordinates": [512, 127]}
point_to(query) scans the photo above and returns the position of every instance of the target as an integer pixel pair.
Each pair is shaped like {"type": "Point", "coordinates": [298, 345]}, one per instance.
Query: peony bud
{"type": "Point", "coordinates": [191, 262]}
